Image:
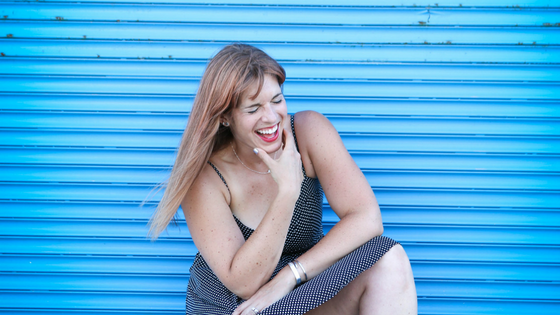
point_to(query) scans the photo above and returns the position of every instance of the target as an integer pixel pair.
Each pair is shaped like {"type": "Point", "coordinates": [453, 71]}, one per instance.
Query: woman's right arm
{"type": "Point", "coordinates": [243, 266]}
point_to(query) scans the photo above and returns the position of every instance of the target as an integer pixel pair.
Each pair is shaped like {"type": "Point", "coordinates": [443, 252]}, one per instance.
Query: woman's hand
{"type": "Point", "coordinates": [287, 169]}
{"type": "Point", "coordinates": [274, 290]}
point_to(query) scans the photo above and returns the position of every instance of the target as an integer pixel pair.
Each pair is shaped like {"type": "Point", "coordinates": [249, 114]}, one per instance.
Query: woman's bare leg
{"type": "Point", "coordinates": [386, 288]}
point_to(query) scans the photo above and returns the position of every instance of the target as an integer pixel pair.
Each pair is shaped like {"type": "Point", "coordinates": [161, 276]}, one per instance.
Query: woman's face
{"type": "Point", "coordinates": [259, 123]}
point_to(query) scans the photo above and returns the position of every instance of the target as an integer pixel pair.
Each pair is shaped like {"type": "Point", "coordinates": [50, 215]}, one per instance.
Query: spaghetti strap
{"type": "Point", "coordinates": [295, 140]}
{"type": "Point", "coordinates": [219, 174]}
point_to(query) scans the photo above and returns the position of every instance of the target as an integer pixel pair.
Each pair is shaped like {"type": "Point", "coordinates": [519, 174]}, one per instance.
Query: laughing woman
{"type": "Point", "coordinates": [247, 177]}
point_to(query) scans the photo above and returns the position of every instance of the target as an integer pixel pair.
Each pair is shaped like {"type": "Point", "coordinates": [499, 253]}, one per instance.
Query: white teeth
{"type": "Point", "coordinates": [268, 131]}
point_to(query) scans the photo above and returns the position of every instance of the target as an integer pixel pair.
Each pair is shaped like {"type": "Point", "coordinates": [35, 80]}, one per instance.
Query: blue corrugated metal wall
{"type": "Point", "coordinates": [451, 109]}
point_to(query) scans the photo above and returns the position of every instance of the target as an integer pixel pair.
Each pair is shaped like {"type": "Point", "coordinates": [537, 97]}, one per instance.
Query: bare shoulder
{"type": "Point", "coordinates": [211, 224]}
{"type": "Point", "coordinates": [314, 132]}
{"type": "Point", "coordinates": [306, 117]}
{"type": "Point", "coordinates": [208, 182]}
{"type": "Point", "coordinates": [344, 184]}
{"type": "Point", "coordinates": [206, 202]}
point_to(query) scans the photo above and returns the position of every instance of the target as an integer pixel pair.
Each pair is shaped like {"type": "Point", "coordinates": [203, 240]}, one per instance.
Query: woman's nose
{"type": "Point", "coordinates": [269, 113]}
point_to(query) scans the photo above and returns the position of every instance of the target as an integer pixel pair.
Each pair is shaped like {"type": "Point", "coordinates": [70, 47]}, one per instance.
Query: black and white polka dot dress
{"type": "Point", "coordinates": [207, 295]}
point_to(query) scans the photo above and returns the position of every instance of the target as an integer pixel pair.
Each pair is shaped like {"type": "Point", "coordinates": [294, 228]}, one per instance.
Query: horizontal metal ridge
{"type": "Point", "coordinates": [50, 311]}
{"type": "Point", "coordinates": [447, 90]}
{"type": "Point", "coordinates": [380, 178]}
{"type": "Point", "coordinates": [329, 219]}
{"type": "Point", "coordinates": [138, 265]}
{"type": "Point", "coordinates": [118, 210]}
{"type": "Point", "coordinates": [349, 3]}
{"type": "Point", "coordinates": [295, 70]}
{"type": "Point", "coordinates": [33, 101]}
{"type": "Point", "coordinates": [408, 143]}
{"type": "Point", "coordinates": [140, 186]}
{"type": "Point", "coordinates": [93, 300]}
{"type": "Point", "coordinates": [490, 306]}
{"type": "Point", "coordinates": [332, 79]}
{"type": "Point", "coordinates": [429, 233]}
{"type": "Point", "coordinates": [291, 14]}
{"type": "Point", "coordinates": [76, 282]}
{"type": "Point", "coordinates": [55, 156]}
{"type": "Point", "coordinates": [324, 34]}
{"type": "Point", "coordinates": [184, 248]}
{"type": "Point", "coordinates": [523, 54]}
{"type": "Point", "coordinates": [344, 124]}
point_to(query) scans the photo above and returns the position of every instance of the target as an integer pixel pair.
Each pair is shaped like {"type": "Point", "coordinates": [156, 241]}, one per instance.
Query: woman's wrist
{"type": "Point", "coordinates": [287, 277]}
{"type": "Point", "coordinates": [301, 270]}
{"type": "Point", "coordinates": [288, 194]}
{"type": "Point", "coordinates": [295, 272]}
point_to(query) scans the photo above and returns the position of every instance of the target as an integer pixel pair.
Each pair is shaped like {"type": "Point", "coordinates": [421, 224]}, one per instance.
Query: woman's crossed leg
{"type": "Point", "coordinates": [386, 288]}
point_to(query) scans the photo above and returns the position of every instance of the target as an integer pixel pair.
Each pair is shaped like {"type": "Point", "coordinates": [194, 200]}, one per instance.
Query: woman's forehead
{"type": "Point", "coordinates": [270, 88]}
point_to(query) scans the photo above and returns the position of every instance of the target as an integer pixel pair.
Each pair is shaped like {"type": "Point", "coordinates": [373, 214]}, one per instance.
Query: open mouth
{"type": "Point", "coordinates": [268, 134]}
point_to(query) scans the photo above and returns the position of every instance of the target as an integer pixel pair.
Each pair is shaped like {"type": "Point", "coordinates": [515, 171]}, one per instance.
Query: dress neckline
{"type": "Point", "coordinates": [241, 223]}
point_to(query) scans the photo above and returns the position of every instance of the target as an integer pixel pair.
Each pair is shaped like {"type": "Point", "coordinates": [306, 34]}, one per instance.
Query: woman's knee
{"type": "Point", "coordinates": [394, 265]}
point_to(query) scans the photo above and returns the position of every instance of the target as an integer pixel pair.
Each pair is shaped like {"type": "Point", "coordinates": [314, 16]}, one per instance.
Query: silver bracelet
{"type": "Point", "coordinates": [302, 269]}
{"type": "Point", "coordinates": [295, 272]}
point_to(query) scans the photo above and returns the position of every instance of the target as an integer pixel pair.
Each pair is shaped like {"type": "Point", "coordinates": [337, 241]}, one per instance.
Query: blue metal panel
{"type": "Point", "coordinates": [486, 306]}
{"type": "Point", "coordinates": [282, 33]}
{"type": "Point", "coordinates": [97, 246]}
{"type": "Point", "coordinates": [496, 271]}
{"type": "Point", "coordinates": [299, 70]}
{"type": "Point", "coordinates": [323, 88]}
{"type": "Point", "coordinates": [376, 178]}
{"type": "Point", "coordinates": [93, 300]}
{"type": "Point", "coordinates": [89, 312]}
{"type": "Point", "coordinates": [98, 264]}
{"type": "Point", "coordinates": [94, 282]}
{"type": "Point", "coordinates": [364, 159]}
{"type": "Point", "coordinates": [385, 196]}
{"type": "Point", "coordinates": [14, 47]}
{"type": "Point", "coordinates": [392, 3]}
{"type": "Point", "coordinates": [358, 124]}
{"type": "Point", "coordinates": [331, 105]}
{"type": "Point", "coordinates": [457, 252]}
{"type": "Point", "coordinates": [281, 14]}
{"type": "Point", "coordinates": [451, 110]}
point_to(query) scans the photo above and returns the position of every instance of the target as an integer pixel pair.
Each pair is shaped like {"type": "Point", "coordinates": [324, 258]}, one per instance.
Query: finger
{"type": "Point", "coordinates": [249, 310]}
{"type": "Point", "coordinates": [263, 156]}
{"type": "Point", "coordinates": [243, 310]}
{"type": "Point", "coordinates": [239, 310]}
{"type": "Point", "coordinates": [289, 138]}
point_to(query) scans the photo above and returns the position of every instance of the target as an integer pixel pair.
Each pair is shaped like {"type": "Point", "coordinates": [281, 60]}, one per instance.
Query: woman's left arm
{"type": "Point", "coordinates": [346, 188]}
{"type": "Point", "coordinates": [349, 195]}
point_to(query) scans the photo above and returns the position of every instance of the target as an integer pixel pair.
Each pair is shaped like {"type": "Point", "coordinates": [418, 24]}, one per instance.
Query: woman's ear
{"type": "Point", "coordinates": [224, 120]}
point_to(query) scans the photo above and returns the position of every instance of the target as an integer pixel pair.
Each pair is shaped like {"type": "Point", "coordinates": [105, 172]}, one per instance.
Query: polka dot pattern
{"type": "Point", "coordinates": [207, 295]}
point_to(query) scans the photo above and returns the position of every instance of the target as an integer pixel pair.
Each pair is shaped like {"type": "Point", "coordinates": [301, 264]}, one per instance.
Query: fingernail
{"type": "Point", "coordinates": [256, 150]}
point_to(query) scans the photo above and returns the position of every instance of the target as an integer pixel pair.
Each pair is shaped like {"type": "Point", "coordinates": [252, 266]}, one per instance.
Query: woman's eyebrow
{"type": "Point", "coordinates": [257, 104]}
{"type": "Point", "coordinates": [247, 106]}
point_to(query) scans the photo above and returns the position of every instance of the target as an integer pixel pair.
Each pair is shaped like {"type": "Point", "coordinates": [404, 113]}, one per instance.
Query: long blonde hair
{"type": "Point", "coordinates": [227, 78]}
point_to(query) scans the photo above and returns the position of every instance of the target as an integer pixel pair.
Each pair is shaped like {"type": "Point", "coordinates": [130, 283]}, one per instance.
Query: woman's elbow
{"type": "Point", "coordinates": [378, 229]}
{"type": "Point", "coordinates": [375, 225]}
{"type": "Point", "coordinates": [243, 289]}
{"type": "Point", "coordinates": [243, 292]}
